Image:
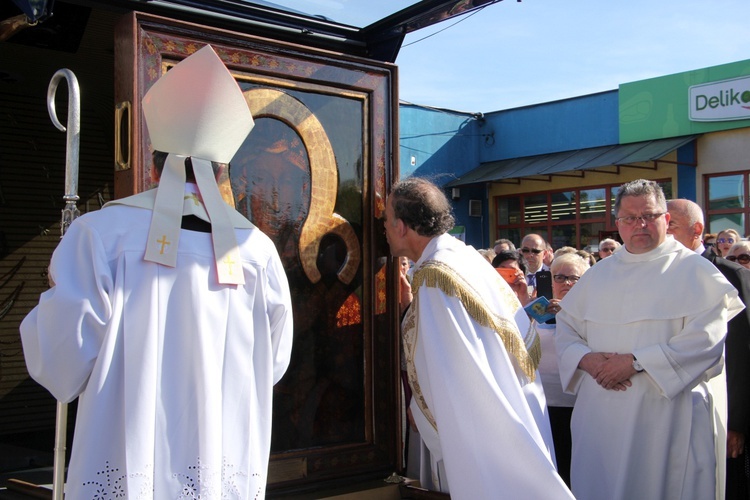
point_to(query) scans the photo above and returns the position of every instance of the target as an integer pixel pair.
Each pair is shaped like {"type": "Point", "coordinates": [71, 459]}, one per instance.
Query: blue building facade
{"type": "Point", "coordinates": [443, 145]}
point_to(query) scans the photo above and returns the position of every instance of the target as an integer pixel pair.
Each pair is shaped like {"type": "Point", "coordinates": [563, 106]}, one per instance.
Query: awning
{"type": "Point", "coordinates": [569, 161]}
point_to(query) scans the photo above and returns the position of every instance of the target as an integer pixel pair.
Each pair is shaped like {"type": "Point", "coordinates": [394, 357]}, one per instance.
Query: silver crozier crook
{"type": "Point", "coordinates": [72, 146]}
{"type": "Point", "coordinates": [69, 213]}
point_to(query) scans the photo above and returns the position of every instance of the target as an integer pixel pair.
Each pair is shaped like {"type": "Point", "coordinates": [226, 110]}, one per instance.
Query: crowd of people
{"type": "Point", "coordinates": [645, 384]}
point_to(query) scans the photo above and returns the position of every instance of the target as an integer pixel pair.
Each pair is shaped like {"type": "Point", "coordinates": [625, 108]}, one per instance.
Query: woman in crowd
{"type": "Point", "coordinates": [724, 241]}
{"type": "Point", "coordinates": [740, 253]}
{"type": "Point", "coordinates": [512, 259]}
{"type": "Point", "coordinates": [567, 268]}
{"type": "Point", "coordinates": [709, 241]}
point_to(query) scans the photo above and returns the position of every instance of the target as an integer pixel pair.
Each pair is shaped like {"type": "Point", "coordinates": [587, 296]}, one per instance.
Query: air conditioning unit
{"type": "Point", "coordinates": [475, 208]}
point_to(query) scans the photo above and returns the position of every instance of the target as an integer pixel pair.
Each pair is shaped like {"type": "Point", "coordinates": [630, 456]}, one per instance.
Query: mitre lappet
{"type": "Point", "coordinates": [196, 110]}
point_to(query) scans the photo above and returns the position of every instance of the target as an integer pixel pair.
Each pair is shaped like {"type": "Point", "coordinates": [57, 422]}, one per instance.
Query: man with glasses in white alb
{"type": "Point", "coordinates": [645, 362]}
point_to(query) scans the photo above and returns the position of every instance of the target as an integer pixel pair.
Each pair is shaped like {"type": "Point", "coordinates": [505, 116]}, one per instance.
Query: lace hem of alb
{"type": "Point", "coordinates": [195, 482]}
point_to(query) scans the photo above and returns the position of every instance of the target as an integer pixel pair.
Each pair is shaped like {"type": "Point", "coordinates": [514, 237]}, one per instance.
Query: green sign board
{"type": "Point", "coordinates": [459, 232]}
{"type": "Point", "coordinates": [694, 102]}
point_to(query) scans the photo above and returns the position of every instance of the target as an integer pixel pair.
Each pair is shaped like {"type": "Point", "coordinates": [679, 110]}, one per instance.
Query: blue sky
{"type": "Point", "coordinates": [513, 54]}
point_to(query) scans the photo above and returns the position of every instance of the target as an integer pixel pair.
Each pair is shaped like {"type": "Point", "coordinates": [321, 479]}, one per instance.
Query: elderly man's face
{"type": "Point", "coordinates": [641, 235]}
{"type": "Point", "coordinates": [680, 228]}
{"type": "Point", "coordinates": [606, 249]}
{"type": "Point", "coordinates": [532, 248]}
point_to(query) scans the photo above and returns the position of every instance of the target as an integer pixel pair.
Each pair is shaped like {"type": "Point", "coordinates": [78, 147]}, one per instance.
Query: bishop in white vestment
{"type": "Point", "coordinates": [173, 361]}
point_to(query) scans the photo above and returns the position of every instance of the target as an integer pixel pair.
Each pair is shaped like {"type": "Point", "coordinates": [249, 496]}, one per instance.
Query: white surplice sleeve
{"type": "Point", "coordinates": [683, 361]}
{"type": "Point", "coordinates": [62, 335]}
{"type": "Point", "coordinates": [571, 345]}
{"type": "Point", "coordinates": [279, 310]}
{"type": "Point", "coordinates": [489, 441]}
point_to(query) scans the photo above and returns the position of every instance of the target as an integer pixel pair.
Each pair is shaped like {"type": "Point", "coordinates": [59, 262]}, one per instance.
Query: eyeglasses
{"type": "Point", "coordinates": [645, 218]}
{"type": "Point", "coordinates": [742, 258]}
{"type": "Point", "coordinates": [561, 278]}
{"type": "Point", "coordinates": [708, 244]}
{"type": "Point", "coordinates": [725, 240]}
{"type": "Point", "coordinates": [606, 250]}
{"type": "Point", "coordinates": [535, 251]}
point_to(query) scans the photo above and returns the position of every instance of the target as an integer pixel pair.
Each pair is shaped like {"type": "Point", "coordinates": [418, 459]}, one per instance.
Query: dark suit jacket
{"type": "Point", "coordinates": [737, 347]}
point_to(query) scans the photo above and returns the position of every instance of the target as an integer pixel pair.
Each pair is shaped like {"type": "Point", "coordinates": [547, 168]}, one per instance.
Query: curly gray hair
{"type": "Point", "coordinates": [422, 206]}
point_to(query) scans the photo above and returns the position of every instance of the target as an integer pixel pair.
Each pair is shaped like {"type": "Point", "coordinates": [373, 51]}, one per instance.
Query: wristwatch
{"type": "Point", "coordinates": [637, 365]}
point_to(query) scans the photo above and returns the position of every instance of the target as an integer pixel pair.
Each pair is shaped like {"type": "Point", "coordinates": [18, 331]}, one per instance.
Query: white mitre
{"type": "Point", "coordinates": [195, 110]}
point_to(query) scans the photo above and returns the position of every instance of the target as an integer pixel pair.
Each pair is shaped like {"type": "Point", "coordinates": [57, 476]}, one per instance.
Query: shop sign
{"type": "Point", "coordinates": [720, 101]}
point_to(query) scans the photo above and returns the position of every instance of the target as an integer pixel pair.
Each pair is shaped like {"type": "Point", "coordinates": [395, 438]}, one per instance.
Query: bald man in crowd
{"type": "Point", "coordinates": [534, 249]}
{"type": "Point", "coordinates": [607, 247]}
{"type": "Point", "coordinates": [686, 226]}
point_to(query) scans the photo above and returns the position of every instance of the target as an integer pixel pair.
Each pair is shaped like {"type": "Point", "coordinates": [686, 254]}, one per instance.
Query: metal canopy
{"type": "Point", "coordinates": [569, 161]}
{"type": "Point", "coordinates": [380, 38]}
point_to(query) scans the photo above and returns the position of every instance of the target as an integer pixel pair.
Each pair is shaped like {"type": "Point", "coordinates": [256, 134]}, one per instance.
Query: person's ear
{"type": "Point", "coordinates": [155, 175]}
{"type": "Point", "coordinates": [401, 227]}
{"type": "Point", "coordinates": [698, 230]}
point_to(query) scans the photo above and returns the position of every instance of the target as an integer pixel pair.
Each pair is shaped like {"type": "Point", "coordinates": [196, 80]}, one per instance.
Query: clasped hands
{"type": "Point", "coordinates": [612, 371]}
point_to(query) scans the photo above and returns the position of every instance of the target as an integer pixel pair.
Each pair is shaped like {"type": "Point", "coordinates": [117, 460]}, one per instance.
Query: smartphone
{"type": "Point", "coordinates": [544, 284]}
{"type": "Point", "coordinates": [507, 273]}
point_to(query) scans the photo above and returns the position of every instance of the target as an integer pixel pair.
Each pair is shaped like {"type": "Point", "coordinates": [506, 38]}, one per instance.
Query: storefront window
{"type": "Point", "coordinates": [727, 221]}
{"type": "Point", "coordinates": [535, 209]}
{"type": "Point", "coordinates": [579, 218]}
{"type": "Point", "coordinates": [726, 202]}
{"type": "Point", "coordinates": [509, 211]}
{"type": "Point", "coordinates": [593, 203]}
{"type": "Point", "coordinates": [563, 206]}
{"type": "Point", "coordinates": [591, 235]}
{"type": "Point", "coordinates": [513, 235]}
{"type": "Point", "coordinates": [726, 192]}
{"type": "Point", "coordinates": [563, 236]}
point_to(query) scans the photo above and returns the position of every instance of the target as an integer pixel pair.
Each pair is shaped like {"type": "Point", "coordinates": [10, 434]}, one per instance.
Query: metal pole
{"type": "Point", "coordinates": [69, 213]}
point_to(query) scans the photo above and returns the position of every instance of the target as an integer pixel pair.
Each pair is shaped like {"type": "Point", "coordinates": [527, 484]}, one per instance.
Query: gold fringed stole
{"type": "Point", "coordinates": [526, 351]}
{"type": "Point", "coordinates": [533, 345]}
